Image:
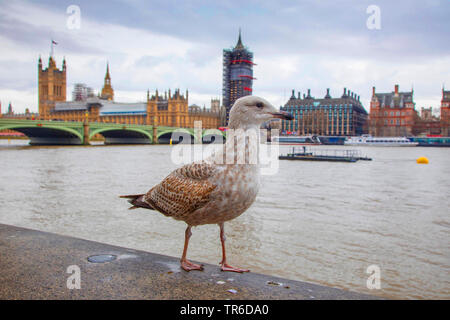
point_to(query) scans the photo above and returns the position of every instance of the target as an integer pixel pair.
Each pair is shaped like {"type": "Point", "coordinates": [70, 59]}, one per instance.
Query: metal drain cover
{"type": "Point", "coordinates": [102, 258]}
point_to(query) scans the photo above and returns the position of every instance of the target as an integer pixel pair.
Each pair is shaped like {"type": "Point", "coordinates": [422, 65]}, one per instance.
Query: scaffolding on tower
{"type": "Point", "coordinates": [237, 74]}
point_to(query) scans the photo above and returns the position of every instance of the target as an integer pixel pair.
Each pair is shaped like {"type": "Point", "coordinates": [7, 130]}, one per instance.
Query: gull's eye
{"type": "Point", "coordinates": [260, 105]}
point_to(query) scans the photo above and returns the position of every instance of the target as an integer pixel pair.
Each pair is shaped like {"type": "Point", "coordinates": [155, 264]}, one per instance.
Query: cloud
{"type": "Point", "coordinates": [172, 44]}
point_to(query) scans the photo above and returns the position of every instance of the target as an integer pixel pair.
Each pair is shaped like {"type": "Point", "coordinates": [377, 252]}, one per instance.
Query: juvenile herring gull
{"type": "Point", "coordinates": [212, 191]}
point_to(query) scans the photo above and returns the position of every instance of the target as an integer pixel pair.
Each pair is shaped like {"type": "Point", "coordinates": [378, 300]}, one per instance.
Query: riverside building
{"type": "Point", "coordinates": [392, 114]}
{"type": "Point", "coordinates": [342, 116]}
{"type": "Point", "coordinates": [445, 113]}
{"type": "Point", "coordinates": [161, 109]}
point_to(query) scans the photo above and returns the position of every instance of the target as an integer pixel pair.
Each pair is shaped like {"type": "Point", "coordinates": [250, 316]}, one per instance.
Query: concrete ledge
{"type": "Point", "coordinates": [33, 265]}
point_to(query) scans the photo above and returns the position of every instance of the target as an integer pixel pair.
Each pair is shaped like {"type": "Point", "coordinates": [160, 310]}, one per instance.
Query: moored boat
{"type": "Point", "coordinates": [332, 140]}
{"type": "Point", "coordinates": [367, 140]}
{"type": "Point", "coordinates": [433, 141]}
{"type": "Point", "coordinates": [296, 140]}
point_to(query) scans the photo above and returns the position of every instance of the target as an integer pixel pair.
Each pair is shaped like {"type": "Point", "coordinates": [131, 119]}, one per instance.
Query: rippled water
{"type": "Point", "coordinates": [320, 222]}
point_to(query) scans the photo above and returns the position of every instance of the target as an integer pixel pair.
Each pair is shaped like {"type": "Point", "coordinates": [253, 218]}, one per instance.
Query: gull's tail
{"type": "Point", "coordinates": [137, 200]}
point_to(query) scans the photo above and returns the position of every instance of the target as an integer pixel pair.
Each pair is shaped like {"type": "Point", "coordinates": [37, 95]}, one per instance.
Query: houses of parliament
{"type": "Point", "coordinates": [167, 109]}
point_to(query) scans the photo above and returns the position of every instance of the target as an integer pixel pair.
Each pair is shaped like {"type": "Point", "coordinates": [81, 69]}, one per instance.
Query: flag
{"type": "Point", "coordinates": [51, 47]}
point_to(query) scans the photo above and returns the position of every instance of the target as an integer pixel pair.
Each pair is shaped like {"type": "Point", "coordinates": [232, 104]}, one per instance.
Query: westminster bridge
{"type": "Point", "coordinates": [80, 133]}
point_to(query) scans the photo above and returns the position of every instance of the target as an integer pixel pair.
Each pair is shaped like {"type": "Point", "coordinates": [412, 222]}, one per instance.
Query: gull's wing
{"type": "Point", "coordinates": [183, 191]}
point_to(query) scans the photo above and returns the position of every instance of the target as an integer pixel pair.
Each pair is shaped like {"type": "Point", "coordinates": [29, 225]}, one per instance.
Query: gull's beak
{"type": "Point", "coordinates": [282, 115]}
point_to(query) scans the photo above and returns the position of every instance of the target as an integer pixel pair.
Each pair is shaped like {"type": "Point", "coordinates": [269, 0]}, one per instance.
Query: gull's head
{"type": "Point", "coordinates": [252, 111]}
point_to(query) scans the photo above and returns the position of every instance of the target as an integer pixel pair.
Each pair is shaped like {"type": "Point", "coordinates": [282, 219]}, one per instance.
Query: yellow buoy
{"type": "Point", "coordinates": [422, 160]}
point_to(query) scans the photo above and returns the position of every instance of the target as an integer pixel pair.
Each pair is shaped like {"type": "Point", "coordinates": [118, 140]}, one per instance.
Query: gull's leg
{"type": "Point", "coordinates": [185, 264]}
{"type": "Point", "coordinates": [225, 266]}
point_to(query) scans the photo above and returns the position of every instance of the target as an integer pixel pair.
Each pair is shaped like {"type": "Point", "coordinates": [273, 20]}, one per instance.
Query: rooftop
{"type": "Point", "coordinates": [347, 97]}
{"type": "Point", "coordinates": [106, 107]}
{"type": "Point", "coordinates": [394, 99]}
{"type": "Point", "coordinates": [116, 108]}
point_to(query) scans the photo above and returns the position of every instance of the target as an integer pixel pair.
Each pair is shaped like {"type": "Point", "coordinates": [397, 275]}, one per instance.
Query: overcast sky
{"type": "Point", "coordinates": [178, 44]}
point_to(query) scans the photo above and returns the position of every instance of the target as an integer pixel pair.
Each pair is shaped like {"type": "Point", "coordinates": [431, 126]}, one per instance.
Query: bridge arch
{"type": "Point", "coordinates": [177, 135]}
{"type": "Point", "coordinates": [47, 135]}
{"type": "Point", "coordinates": [213, 136]}
{"type": "Point", "coordinates": [124, 135]}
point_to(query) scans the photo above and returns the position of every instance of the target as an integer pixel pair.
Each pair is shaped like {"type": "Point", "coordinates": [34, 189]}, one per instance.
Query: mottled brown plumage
{"type": "Point", "coordinates": [183, 192]}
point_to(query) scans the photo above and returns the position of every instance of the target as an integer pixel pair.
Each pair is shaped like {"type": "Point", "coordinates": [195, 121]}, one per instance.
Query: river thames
{"type": "Point", "coordinates": [320, 222]}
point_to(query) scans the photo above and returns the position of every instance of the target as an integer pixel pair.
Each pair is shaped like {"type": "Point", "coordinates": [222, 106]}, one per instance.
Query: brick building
{"type": "Point", "coordinates": [427, 123]}
{"type": "Point", "coordinates": [445, 113]}
{"type": "Point", "coordinates": [392, 113]}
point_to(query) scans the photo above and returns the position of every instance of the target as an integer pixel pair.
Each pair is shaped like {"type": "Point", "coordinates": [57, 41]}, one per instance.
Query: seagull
{"type": "Point", "coordinates": [214, 190]}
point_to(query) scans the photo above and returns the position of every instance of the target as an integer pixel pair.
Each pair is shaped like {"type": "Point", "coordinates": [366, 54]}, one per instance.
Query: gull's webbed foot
{"type": "Point", "coordinates": [226, 267]}
{"type": "Point", "coordinates": [188, 266]}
